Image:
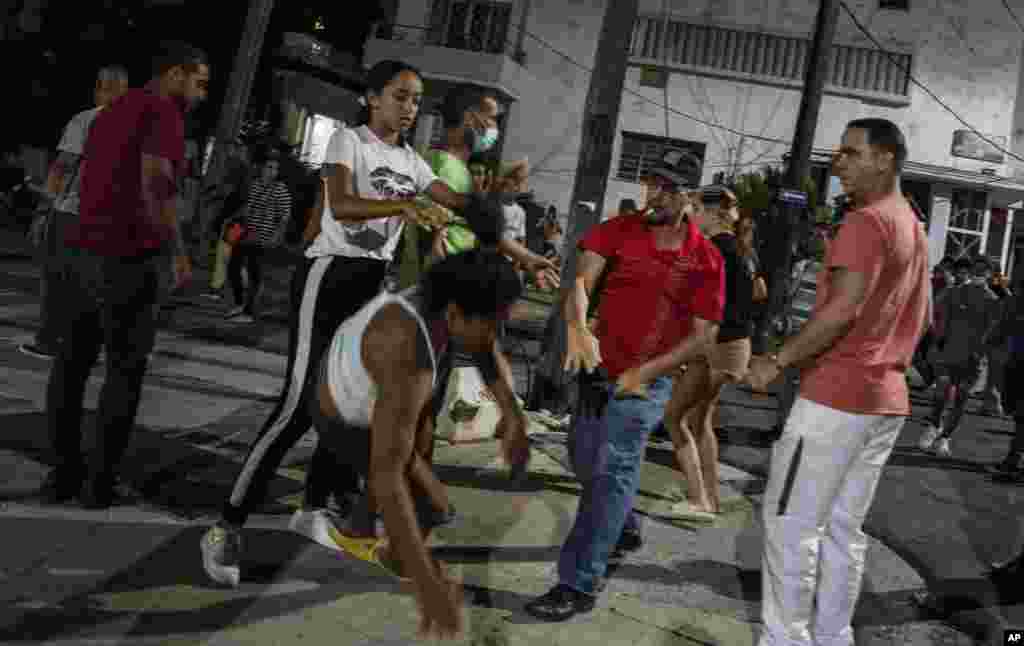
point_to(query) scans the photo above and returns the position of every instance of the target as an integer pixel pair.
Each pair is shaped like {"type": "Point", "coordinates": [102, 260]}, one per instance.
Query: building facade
{"type": "Point", "coordinates": [731, 73]}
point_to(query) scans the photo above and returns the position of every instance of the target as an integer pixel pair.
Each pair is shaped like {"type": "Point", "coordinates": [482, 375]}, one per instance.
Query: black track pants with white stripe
{"type": "Point", "coordinates": [325, 292]}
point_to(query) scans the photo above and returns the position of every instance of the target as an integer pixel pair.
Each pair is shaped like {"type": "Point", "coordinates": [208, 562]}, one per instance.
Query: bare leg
{"type": "Point", "coordinates": [689, 463]}
{"type": "Point", "coordinates": [685, 397]}
{"type": "Point", "coordinates": [423, 476]}
{"type": "Point", "coordinates": [707, 446]}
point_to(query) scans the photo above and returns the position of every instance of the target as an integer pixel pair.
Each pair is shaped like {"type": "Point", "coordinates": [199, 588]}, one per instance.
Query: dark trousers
{"type": "Point", "coordinates": [325, 292]}
{"type": "Point", "coordinates": [53, 284]}
{"type": "Point", "coordinates": [921, 363]}
{"type": "Point", "coordinates": [1013, 400]}
{"type": "Point", "coordinates": [110, 302]}
{"type": "Point", "coordinates": [251, 257]}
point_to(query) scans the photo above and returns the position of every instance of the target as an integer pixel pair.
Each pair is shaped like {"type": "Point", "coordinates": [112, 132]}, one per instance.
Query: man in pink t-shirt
{"type": "Point", "coordinates": [873, 305]}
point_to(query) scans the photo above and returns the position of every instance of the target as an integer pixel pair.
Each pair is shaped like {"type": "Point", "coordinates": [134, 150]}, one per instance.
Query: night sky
{"type": "Point", "coordinates": [58, 65]}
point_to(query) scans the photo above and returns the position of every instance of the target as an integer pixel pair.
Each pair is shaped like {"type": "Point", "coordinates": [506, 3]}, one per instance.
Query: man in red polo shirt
{"type": "Point", "coordinates": [660, 307]}
{"type": "Point", "coordinates": [873, 305]}
{"type": "Point", "coordinates": [135, 153]}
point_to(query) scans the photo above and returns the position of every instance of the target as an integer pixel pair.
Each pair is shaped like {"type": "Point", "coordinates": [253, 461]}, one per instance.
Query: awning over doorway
{"type": "Point", "coordinates": [318, 97]}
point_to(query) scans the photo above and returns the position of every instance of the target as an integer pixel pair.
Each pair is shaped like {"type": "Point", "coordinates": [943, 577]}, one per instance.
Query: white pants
{"type": "Point", "coordinates": [824, 471]}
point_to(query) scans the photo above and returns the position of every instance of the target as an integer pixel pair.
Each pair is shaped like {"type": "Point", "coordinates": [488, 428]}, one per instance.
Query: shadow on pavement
{"type": "Point", "coordinates": [270, 557]}
{"type": "Point", "coordinates": [164, 470]}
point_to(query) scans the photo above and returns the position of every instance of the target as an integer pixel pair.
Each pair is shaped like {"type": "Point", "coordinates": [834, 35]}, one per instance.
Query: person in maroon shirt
{"type": "Point", "coordinates": [135, 153]}
{"type": "Point", "coordinates": [661, 304]}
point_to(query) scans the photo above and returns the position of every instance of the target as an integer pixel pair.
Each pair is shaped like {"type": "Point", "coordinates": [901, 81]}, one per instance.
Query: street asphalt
{"type": "Point", "coordinates": [131, 575]}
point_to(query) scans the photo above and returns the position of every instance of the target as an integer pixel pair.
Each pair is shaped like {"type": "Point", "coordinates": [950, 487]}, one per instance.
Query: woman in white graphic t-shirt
{"type": "Point", "coordinates": [371, 176]}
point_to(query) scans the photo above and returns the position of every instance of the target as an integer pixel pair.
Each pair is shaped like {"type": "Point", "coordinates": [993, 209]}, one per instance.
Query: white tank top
{"type": "Point", "coordinates": [350, 385]}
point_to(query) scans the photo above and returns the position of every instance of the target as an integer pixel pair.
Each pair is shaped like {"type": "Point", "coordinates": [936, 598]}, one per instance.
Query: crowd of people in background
{"type": "Point", "coordinates": [411, 259]}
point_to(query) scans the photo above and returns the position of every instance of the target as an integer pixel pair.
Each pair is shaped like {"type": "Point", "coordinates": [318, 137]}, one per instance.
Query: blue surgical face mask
{"type": "Point", "coordinates": [484, 142]}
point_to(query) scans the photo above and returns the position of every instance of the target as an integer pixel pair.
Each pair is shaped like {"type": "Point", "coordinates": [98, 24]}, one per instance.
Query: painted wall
{"type": "Point", "coordinates": [967, 53]}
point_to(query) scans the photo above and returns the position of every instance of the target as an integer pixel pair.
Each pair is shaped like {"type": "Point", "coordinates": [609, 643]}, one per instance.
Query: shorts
{"type": "Point", "coordinates": [350, 446]}
{"type": "Point", "coordinates": [731, 358]}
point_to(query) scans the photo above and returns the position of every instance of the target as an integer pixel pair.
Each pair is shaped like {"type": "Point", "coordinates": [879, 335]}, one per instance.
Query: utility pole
{"type": "Point", "coordinates": [240, 82]}
{"type": "Point", "coordinates": [788, 210]}
{"type": "Point", "coordinates": [600, 123]}
{"type": "Point", "coordinates": [819, 69]}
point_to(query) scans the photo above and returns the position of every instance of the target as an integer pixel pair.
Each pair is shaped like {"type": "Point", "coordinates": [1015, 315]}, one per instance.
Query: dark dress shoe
{"type": "Point", "coordinates": [560, 604]}
{"type": "Point", "coordinates": [59, 487]}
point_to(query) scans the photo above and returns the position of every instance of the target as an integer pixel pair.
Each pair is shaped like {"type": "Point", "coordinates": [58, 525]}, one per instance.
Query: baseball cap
{"type": "Point", "coordinates": [718, 195]}
{"type": "Point", "coordinates": [680, 167]}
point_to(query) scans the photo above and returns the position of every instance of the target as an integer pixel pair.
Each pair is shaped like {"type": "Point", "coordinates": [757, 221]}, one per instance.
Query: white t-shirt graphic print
{"type": "Point", "coordinates": [380, 171]}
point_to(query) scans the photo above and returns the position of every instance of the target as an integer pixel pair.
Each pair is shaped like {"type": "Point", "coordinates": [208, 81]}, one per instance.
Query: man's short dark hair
{"type": "Point", "coordinates": [112, 73]}
{"type": "Point", "coordinates": [627, 205]}
{"type": "Point", "coordinates": [177, 53]}
{"type": "Point", "coordinates": [886, 135]}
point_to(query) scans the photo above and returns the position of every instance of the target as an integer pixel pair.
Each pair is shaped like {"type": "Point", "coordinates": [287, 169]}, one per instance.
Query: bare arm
{"type": "Point", "coordinates": [833, 321]}
{"type": "Point", "coordinates": [520, 253]}
{"type": "Point", "coordinates": [395, 360]}
{"type": "Point", "coordinates": [440, 193]}
{"type": "Point", "coordinates": [312, 229]}
{"type": "Point", "coordinates": [591, 265]}
{"type": "Point", "coordinates": [348, 206]}
{"type": "Point", "coordinates": [57, 176]}
{"type": "Point", "coordinates": [159, 192]}
{"type": "Point", "coordinates": [696, 344]}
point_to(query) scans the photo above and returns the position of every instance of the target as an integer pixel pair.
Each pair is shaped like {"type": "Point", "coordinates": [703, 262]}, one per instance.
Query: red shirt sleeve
{"type": "Point", "coordinates": [163, 133]}
{"type": "Point", "coordinates": [606, 239]}
{"type": "Point", "coordinates": [707, 295]}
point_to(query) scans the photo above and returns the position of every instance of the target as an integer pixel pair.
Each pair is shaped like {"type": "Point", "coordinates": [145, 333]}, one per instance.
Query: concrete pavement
{"type": "Point", "coordinates": [132, 575]}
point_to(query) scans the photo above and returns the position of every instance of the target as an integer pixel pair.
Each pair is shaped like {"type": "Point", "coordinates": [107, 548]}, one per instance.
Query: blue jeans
{"type": "Point", "coordinates": [607, 454]}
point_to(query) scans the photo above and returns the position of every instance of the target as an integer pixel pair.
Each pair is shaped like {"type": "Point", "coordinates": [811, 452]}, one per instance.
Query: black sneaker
{"type": "Point", "coordinates": [38, 351]}
{"type": "Point", "coordinates": [561, 603]}
{"type": "Point", "coordinates": [59, 487]}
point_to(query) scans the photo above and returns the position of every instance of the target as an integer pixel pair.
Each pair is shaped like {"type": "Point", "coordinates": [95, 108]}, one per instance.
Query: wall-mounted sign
{"type": "Point", "coordinates": [970, 146]}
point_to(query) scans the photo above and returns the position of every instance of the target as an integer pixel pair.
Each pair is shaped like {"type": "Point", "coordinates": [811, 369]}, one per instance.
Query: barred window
{"type": "Point", "coordinates": [640, 153]}
{"type": "Point", "coordinates": [766, 55]}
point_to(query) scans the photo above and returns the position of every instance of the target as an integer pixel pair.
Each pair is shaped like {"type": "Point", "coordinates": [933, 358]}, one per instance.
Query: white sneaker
{"type": "Point", "coordinates": [942, 448]}
{"type": "Point", "coordinates": [222, 550]}
{"type": "Point", "coordinates": [318, 525]}
{"type": "Point", "coordinates": [931, 434]}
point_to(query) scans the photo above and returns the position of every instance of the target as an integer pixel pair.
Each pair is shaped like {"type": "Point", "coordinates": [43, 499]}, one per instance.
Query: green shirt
{"type": "Point", "coordinates": [455, 173]}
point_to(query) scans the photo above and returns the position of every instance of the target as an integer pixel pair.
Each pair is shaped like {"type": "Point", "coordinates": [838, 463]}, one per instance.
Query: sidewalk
{"type": "Point", "coordinates": [132, 575]}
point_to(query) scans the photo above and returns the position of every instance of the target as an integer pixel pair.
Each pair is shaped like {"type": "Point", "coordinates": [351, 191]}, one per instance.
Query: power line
{"type": "Point", "coordinates": [925, 89]}
{"type": "Point", "coordinates": [709, 124]}
{"type": "Point", "coordinates": [1013, 15]}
